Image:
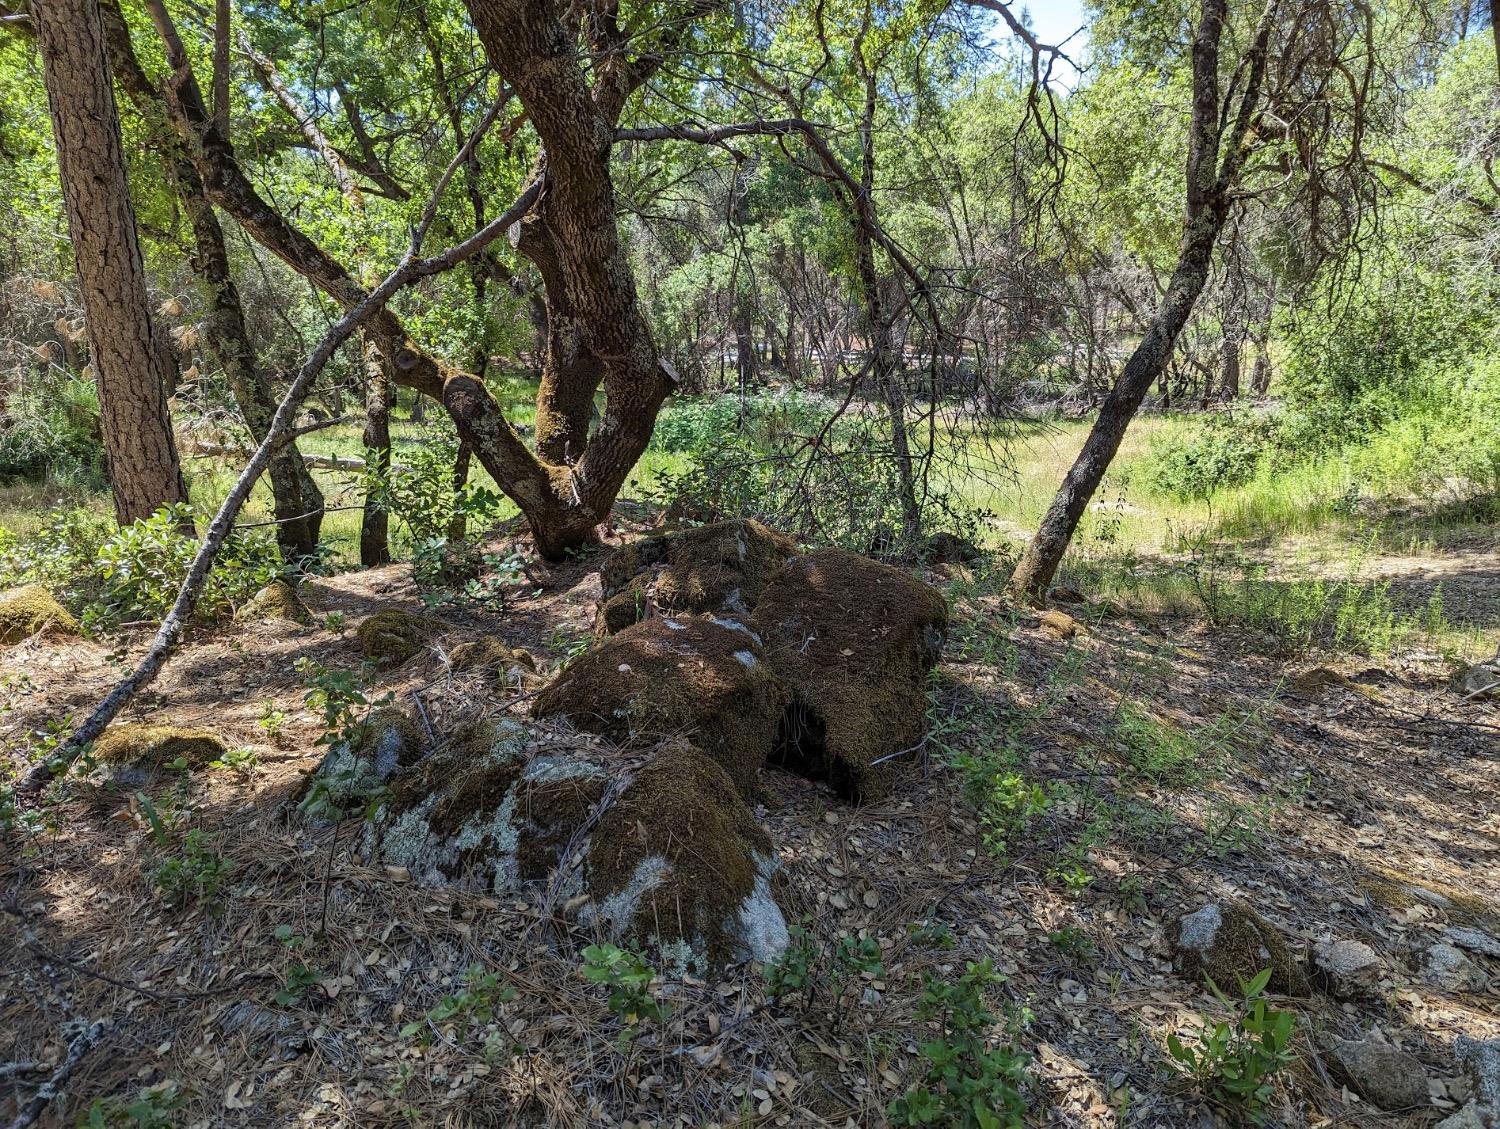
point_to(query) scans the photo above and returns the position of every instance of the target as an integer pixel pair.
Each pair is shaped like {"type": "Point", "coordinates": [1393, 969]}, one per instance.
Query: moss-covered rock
{"type": "Point", "coordinates": [700, 679]}
{"type": "Point", "coordinates": [394, 635]}
{"type": "Point", "coordinates": [490, 652]}
{"type": "Point", "coordinates": [352, 772]}
{"type": "Point", "coordinates": [671, 859]}
{"type": "Point", "coordinates": [156, 746]}
{"type": "Point", "coordinates": [482, 809]}
{"type": "Point", "coordinates": [25, 611]}
{"type": "Point", "coordinates": [679, 862]}
{"type": "Point", "coordinates": [277, 600]}
{"type": "Point", "coordinates": [854, 639]}
{"type": "Point", "coordinates": [718, 569]}
{"type": "Point", "coordinates": [1230, 944]}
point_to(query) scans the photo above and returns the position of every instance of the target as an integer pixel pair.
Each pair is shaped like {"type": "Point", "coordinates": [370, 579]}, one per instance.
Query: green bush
{"type": "Point", "coordinates": [1221, 452]}
{"type": "Point", "coordinates": [50, 433]}
{"type": "Point", "coordinates": [108, 576]}
{"type": "Point", "coordinates": [1234, 1062]}
{"type": "Point", "coordinates": [968, 1079]}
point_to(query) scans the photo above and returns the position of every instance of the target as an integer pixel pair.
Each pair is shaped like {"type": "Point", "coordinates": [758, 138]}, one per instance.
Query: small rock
{"type": "Point", "coordinates": [1230, 944]}
{"type": "Point", "coordinates": [1059, 624]}
{"type": "Point", "coordinates": [1475, 940]}
{"type": "Point", "coordinates": [1383, 1075]}
{"type": "Point", "coordinates": [393, 635]}
{"type": "Point", "coordinates": [1480, 680]}
{"type": "Point", "coordinates": [1481, 1061]}
{"type": "Point", "coordinates": [1444, 966]}
{"type": "Point", "coordinates": [25, 611]}
{"type": "Point", "coordinates": [1347, 969]}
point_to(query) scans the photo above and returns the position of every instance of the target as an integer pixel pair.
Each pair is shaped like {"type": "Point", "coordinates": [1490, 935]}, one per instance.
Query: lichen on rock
{"type": "Point", "coordinates": [356, 769]}
{"type": "Point", "coordinates": [700, 679]}
{"type": "Point", "coordinates": [718, 569]}
{"type": "Point", "coordinates": [25, 611]}
{"type": "Point", "coordinates": [479, 809]}
{"type": "Point", "coordinates": [277, 600]}
{"type": "Point", "coordinates": [679, 862]}
{"type": "Point", "coordinates": [1230, 944]}
{"type": "Point", "coordinates": [393, 635]}
{"type": "Point", "coordinates": [854, 640]}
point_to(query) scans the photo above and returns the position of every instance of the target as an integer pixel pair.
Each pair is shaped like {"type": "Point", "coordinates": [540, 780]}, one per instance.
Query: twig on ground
{"type": "Point", "coordinates": [84, 1042]}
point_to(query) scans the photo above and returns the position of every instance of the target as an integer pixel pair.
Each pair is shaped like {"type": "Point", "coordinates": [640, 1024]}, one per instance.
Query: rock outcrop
{"type": "Point", "coordinates": [853, 640]}
{"type": "Point", "coordinates": [715, 570]}
{"type": "Point", "coordinates": [658, 848]}
{"type": "Point", "coordinates": [704, 680]}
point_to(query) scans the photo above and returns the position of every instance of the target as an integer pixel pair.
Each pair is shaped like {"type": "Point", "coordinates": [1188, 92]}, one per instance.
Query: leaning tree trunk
{"type": "Point", "coordinates": [130, 365]}
{"type": "Point", "coordinates": [1208, 187]}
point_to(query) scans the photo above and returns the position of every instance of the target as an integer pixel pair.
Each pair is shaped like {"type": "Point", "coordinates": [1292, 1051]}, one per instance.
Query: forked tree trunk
{"type": "Point", "coordinates": [129, 362]}
{"type": "Point", "coordinates": [1208, 186]}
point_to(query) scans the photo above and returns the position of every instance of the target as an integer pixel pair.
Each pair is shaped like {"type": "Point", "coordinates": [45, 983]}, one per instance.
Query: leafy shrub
{"type": "Point", "coordinates": [108, 575]}
{"type": "Point", "coordinates": [196, 875]}
{"type": "Point", "coordinates": [143, 564]}
{"type": "Point", "coordinates": [628, 978]}
{"type": "Point", "coordinates": [967, 1081]}
{"type": "Point", "coordinates": [1220, 452]}
{"type": "Point", "coordinates": [1234, 1061]}
{"type": "Point", "coordinates": [50, 432]}
{"type": "Point", "coordinates": [813, 970]}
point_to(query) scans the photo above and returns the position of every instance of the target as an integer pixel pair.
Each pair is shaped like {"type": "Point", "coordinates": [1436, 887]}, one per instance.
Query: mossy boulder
{"type": "Point", "coordinates": [277, 600]}
{"type": "Point", "coordinates": [482, 809]}
{"type": "Point", "coordinates": [394, 635]}
{"type": "Point", "coordinates": [674, 860]}
{"type": "Point", "coordinates": [679, 862]}
{"type": "Point", "coordinates": [1230, 944]}
{"type": "Point", "coordinates": [490, 653]}
{"type": "Point", "coordinates": [353, 771]}
{"type": "Point", "coordinates": [854, 640]}
{"type": "Point", "coordinates": [25, 611]}
{"type": "Point", "coordinates": [156, 746]}
{"type": "Point", "coordinates": [704, 680]}
{"type": "Point", "coordinates": [718, 569]}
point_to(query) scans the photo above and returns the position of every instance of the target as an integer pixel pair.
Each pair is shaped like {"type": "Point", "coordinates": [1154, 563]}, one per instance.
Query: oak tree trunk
{"type": "Point", "coordinates": [129, 362]}
{"type": "Point", "coordinates": [375, 521]}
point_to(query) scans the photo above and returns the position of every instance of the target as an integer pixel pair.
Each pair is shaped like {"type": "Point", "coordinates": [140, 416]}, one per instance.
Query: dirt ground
{"type": "Point", "coordinates": [1324, 790]}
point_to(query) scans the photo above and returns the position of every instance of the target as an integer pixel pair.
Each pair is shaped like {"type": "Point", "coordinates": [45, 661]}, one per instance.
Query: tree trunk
{"type": "Point", "coordinates": [1229, 368]}
{"type": "Point", "coordinates": [125, 351]}
{"type": "Point", "coordinates": [458, 525]}
{"type": "Point", "coordinates": [1208, 188]}
{"type": "Point", "coordinates": [375, 521]}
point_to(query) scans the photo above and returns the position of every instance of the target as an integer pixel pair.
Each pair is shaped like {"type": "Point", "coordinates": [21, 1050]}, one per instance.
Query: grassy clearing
{"type": "Point", "coordinates": [1295, 552]}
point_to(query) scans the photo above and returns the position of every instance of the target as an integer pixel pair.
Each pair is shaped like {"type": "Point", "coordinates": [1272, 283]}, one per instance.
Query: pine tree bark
{"type": "Point", "coordinates": [297, 502]}
{"type": "Point", "coordinates": [129, 361]}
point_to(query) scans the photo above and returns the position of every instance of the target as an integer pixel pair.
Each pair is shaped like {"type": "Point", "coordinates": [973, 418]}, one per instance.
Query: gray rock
{"type": "Point", "coordinates": [1385, 1076]}
{"type": "Point", "coordinates": [1348, 969]}
{"type": "Point", "coordinates": [1475, 940]}
{"type": "Point", "coordinates": [1480, 1059]}
{"type": "Point", "coordinates": [1444, 966]}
